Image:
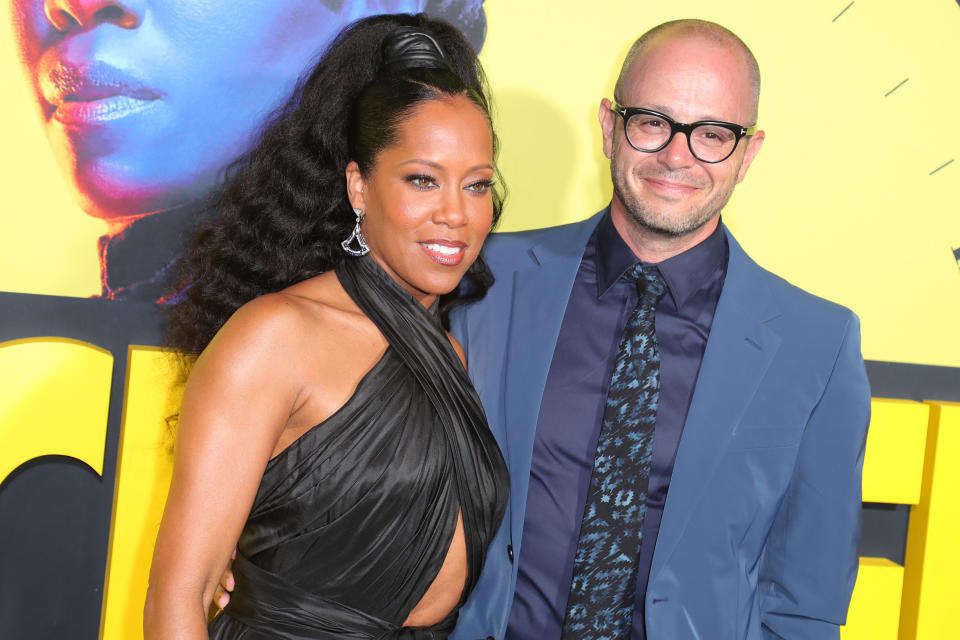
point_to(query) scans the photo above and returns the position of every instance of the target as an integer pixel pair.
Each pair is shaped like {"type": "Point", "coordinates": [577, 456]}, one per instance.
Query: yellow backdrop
{"type": "Point", "coordinates": [855, 197]}
{"type": "Point", "coordinates": [844, 200]}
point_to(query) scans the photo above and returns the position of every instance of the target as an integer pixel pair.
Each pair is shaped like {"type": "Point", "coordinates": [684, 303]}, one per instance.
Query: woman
{"type": "Point", "coordinates": [336, 412]}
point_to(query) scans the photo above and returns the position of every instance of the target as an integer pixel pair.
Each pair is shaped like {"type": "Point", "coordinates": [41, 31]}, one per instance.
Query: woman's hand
{"type": "Point", "coordinates": [221, 597]}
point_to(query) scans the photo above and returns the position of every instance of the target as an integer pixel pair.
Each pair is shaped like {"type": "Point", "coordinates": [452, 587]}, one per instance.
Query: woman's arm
{"type": "Point", "coordinates": [236, 404]}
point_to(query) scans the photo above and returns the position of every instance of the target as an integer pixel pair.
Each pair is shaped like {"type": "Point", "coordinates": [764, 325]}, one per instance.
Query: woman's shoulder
{"type": "Point", "coordinates": [273, 317]}
{"type": "Point", "coordinates": [290, 320]}
{"type": "Point", "coordinates": [458, 348]}
{"type": "Point", "coordinates": [295, 345]}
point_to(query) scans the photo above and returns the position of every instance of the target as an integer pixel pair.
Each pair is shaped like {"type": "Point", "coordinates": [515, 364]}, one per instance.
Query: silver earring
{"type": "Point", "coordinates": [362, 249]}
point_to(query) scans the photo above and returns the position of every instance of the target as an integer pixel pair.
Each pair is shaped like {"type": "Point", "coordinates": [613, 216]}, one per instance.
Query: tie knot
{"type": "Point", "coordinates": [650, 284]}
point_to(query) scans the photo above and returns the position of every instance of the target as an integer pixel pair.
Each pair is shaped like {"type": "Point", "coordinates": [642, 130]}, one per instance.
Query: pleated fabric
{"type": "Point", "coordinates": [352, 521]}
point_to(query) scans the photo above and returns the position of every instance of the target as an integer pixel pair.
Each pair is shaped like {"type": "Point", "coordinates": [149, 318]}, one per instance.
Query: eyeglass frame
{"type": "Point", "coordinates": [738, 130]}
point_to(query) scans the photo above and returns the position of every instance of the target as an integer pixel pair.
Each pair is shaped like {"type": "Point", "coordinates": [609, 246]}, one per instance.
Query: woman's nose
{"type": "Point", "coordinates": [452, 211]}
{"type": "Point", "coordinates": [83, 15]}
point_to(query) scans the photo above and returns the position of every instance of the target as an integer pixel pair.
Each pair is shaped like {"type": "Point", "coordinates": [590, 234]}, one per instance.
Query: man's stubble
{"type": "Point", "coordinates": [656, 222]}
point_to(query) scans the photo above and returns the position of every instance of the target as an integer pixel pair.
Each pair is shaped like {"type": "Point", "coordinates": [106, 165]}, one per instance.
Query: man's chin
{"type": "Point", "coordinates": [667, 226]}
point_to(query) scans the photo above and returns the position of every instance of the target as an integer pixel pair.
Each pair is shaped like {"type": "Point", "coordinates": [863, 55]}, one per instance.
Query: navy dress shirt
{"type": "Point", "coordinates": [571, 413]}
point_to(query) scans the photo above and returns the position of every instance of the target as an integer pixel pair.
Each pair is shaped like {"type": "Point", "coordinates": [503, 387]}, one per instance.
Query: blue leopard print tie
{"type": "Point", "coordinates": [600, 605]}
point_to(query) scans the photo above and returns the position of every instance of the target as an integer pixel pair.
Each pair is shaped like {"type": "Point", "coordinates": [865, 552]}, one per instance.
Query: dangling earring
{"type": "Point", "coordinates": [356, 235]}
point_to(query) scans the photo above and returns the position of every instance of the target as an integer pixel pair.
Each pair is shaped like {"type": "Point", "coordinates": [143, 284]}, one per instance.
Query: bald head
{"type": "Point", "coordinates": [710, 32]}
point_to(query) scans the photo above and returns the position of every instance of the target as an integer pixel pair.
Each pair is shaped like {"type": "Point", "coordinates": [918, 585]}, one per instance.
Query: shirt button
{"type": "Point", "coordinates": [509, 555]}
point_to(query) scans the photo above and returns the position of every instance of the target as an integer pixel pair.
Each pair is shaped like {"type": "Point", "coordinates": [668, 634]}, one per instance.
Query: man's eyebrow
{"type": "Point", "coordinates": [667, 111]}
{"type": "Point", "coordinates": [661, 108]}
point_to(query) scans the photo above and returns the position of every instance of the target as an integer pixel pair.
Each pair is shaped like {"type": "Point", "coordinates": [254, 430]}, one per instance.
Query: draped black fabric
{"type": "Point", "coordinates": [352, 522]}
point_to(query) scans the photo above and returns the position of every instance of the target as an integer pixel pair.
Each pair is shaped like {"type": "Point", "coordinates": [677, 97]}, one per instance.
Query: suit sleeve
{"type": "Point", "coordinates": [810, 564]}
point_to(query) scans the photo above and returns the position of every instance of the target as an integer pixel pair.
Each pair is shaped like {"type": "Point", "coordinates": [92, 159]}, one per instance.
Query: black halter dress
{"type": "Point", "coordinates": [352, 522]}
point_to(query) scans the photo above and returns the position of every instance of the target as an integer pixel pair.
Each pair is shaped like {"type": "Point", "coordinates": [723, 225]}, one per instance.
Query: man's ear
{"type": "Point", "coordinates": [355, 186]}
{"type": "Point", "coordinates": [753, 148]}
{"type": "Point", "coordinates": [608, 122]}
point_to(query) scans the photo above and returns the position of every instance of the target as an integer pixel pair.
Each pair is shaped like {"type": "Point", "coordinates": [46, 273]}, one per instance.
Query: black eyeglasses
{"type": "Point", "coordinates": [709, 141]}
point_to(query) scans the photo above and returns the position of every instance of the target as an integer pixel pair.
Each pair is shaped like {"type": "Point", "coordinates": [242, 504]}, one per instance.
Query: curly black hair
{"type": "Point", "coordinates": [283, 211]}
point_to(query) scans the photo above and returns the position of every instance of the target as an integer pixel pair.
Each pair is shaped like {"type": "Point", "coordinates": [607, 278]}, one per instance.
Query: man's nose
{"type": "Point", "coordinates": [82, 15]}
{"type": "Point", "coordinates": [676, 154]}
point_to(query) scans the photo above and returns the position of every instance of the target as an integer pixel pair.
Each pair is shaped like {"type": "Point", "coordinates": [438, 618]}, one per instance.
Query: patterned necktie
{"type": "Point", "coordinates": [600, 604]}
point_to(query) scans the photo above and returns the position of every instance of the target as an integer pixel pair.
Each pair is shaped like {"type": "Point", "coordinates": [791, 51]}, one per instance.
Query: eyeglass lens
{"type": "Point", "coordinates": [708, 143]}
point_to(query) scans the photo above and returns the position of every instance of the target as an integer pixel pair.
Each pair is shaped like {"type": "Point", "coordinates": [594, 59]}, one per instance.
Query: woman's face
{"type": "Point", "coordinates": [428, 200]}
{"type": "Point", "coordinates": [146, 101]}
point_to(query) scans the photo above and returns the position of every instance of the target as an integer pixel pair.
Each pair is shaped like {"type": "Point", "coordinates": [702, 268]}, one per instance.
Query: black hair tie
{"type": "Point", "coordinates": [409, 48]}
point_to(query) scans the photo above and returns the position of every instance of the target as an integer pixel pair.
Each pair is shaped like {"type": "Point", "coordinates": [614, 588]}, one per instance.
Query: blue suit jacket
{"type": "Point", "coordinates": [760, 529]}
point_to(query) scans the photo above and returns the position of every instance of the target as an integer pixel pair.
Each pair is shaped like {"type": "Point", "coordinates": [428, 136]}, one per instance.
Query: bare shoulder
{"type": "Point", "coordinates": [289, 359]}
{"type": "Point", "coordinates": [459, 349]}
{"type": "Point", "coordinates": [271, 325]}
{"type": "Point", "coordinates": [300, 316]}
{"type": "Point", "coordinates": [264, 316]}
{"type": "Point", "coordinates": [329, 312]}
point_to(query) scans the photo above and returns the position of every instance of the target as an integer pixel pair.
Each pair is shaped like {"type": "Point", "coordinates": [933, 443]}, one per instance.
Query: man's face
{"type": "Point", "coordinates": [670, 193]}
{"type": "Point", "coordinates": [145, 102]}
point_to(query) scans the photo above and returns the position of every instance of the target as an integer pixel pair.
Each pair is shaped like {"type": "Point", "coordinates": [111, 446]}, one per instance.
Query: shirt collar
{"type": "Point", "coordinates": [684, 273]}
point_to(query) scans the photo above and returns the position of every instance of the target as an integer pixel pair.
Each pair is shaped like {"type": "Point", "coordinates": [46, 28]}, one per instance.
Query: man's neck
{"type": "Point", "coordinates": [653, 247]}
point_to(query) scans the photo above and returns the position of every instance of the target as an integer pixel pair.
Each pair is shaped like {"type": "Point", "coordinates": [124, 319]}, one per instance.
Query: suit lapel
{"type": "Point", "coordinates": [739, 350]}
{"type": "Point", "coordinates": [540, 295]}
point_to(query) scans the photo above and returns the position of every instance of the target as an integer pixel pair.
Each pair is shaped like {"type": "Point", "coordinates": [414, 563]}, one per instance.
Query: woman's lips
{"type": "Point", "coordinates": [99, 110]}
{"type": "Point", "coordinates": [92, 93]}
{"type": "Point", "coordinates": [446, 252]}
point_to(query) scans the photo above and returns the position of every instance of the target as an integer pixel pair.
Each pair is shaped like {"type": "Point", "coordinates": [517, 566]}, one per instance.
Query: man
{"type": "Point", "coordinates": [746, 402]}
{"type": "Point", "coordinates": [146, 103]}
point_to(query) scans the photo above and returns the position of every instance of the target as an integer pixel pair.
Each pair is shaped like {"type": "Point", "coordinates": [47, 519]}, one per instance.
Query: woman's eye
{"type": "Point", "coordinates": [480, 186]}
{"type": "Point", "coordinates": [421, 182]}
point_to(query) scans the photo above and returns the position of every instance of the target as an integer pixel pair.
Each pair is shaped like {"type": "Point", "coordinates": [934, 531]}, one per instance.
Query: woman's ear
{"type": "Point", "coordinates": [355, 186]}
